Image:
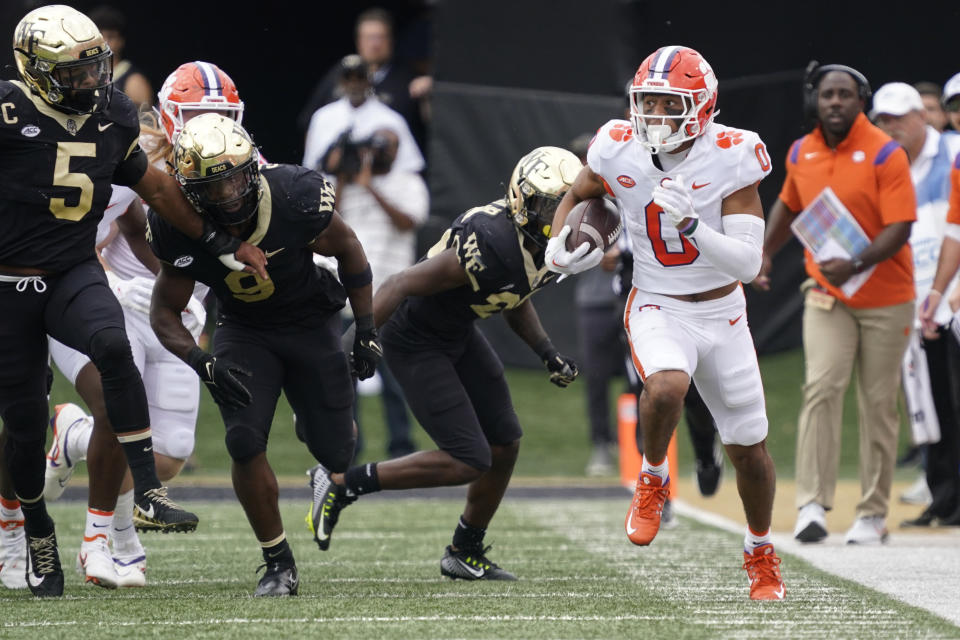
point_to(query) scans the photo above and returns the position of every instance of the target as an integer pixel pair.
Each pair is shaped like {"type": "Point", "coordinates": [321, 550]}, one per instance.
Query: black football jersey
{"type": "Point", "coordinates": [55, 175]}
{"type": "Point", "coordinates": [502, 273]}
{"type": "Point", "coordinates": [296, 206]}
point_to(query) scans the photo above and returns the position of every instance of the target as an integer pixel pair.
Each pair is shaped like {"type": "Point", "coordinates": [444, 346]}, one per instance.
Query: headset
{"type": "Point", "coordinates": [811, 80]}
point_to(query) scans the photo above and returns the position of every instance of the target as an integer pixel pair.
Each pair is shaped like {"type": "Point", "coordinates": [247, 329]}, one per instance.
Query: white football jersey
{"type": "Point", "coordinates": [722, 161]}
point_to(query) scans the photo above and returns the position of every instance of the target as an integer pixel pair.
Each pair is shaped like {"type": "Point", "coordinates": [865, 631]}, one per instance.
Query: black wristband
{"type": "Point", "coordinates": [365, 323]}
{"type": "Point", "coordinates": [196, 358]}
{"type": "Point", "coordinates": [216, 241]}
{"type": "Point", "coordinates": [544, 349]}
{"type": "Point", "coordinates": [356, 280]}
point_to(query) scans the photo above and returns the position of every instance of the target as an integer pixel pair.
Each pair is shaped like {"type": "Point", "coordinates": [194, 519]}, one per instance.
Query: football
{"type": "Point", "coordinates": [595, 221]}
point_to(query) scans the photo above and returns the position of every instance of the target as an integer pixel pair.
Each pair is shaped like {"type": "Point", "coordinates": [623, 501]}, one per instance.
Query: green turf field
{"type": "Point", "coordinates": [556, 440]}
{"type": "Point", "coordinates": [580, 578]}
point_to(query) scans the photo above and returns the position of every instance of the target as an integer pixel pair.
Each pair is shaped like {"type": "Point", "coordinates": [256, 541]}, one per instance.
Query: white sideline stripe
{"type": "Point", "coordinates": [922, 570]}
{"type": "Point", "coordinates": [183, 623]}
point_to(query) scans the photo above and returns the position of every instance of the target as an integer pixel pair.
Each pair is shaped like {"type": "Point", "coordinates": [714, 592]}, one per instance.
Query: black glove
{"type": "Point", "coordinates": [218, 242]}
{"type": "Point", "coordinates": [563, 370]}
{"type": "Point", "coordinates": [222, 377]}
{"type": "Point", "coordinates": [360, 340]}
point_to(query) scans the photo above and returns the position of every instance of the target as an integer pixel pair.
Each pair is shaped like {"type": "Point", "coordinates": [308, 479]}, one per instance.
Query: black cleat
{"type": "Point", "coordinates": [154, 511]}
{"type": "Point", "coordinates": [329, 499]}
{"type": "Point", "coordinates": [44, 574]}
{"type": "Point", "coordinates": [710, 472]}
{"type": "Point", "coordinates": [471, 564]}
{"type": "Point", "coordinates": [280, 579]}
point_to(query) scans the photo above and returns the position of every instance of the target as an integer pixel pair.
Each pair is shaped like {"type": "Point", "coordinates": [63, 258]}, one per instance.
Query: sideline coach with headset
{"type": "Point", "coordinates": [870, 174]}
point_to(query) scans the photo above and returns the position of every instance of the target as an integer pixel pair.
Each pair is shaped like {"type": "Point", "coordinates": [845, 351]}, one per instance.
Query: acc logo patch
{"type": "Point", "coordinates": [30, 131]}
{"type": "Point", "coordinates": [183, 261]}
{"type": "Point", "coordinates": [626, 181]}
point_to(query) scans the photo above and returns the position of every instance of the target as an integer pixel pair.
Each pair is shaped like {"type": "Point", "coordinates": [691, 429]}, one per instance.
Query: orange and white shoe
{"type": "Point", "coordinates": [643, 519]}
{"type": "Point", "coordinates": [763, 570]}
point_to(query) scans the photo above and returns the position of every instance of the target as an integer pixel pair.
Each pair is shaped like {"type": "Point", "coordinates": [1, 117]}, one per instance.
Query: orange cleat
{"type": "Point", "coordinates": [643, 519]}
{"type": "Point", "coordinates": [763, 570]}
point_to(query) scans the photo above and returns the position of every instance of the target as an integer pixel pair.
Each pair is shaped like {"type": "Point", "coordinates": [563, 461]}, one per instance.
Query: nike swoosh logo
{"type": "Point", "coordinates": [100, 526]}
{"type": "Point", "coordinates": [209, 367]}
{"type": "Point", "coordinates": [699, 186]}
{"type": "Point", "coordinates": [475, 572]}
{"type": "Point", "coordinates": [148, 449]}
{"type": "Point", "coordinates": [735, 320]}
{"type": "Point", "coordinates": [320, 534]}
{"type": "Point", "coordinates": [779, 592]}
{"type": "Point", "coordinates": [630, 528]}
{"type": "Point", "coordinates": [270, 254]}
{"type": "Point", "coordinates": [807, 156]}
{"type": "Point", "coordinates": [104, 127]}
{"type": "Point", "coordinates": [148, 513]}
{"type": "Point", "coordinates": [32, 579]}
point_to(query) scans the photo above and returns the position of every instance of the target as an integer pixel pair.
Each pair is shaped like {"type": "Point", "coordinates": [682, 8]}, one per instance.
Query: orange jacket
{"type": "Point", "coordinates": [870, 173]}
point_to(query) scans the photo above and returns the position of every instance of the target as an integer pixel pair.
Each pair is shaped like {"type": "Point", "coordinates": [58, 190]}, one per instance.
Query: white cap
{"type": "Point", "coordinates": [952, 88]}
{"type": "Point", "coordinates": [896, 99]}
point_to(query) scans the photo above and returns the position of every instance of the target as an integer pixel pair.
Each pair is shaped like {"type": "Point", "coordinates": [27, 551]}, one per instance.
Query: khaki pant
{"type": "Point", "coordinates": [833, 341]}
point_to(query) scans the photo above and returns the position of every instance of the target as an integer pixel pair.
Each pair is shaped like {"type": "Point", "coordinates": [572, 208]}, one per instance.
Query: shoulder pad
{"type": "Point", "coordinates": [487, 239]}
{"type": "Point", "coordinates": [7, 88]}
{"type": "Point", "coordinates": [122, 111]}
{"type": "Point", "coordinates": [610, 138]}
{"type": "Point", "coordinates": [306, 190]}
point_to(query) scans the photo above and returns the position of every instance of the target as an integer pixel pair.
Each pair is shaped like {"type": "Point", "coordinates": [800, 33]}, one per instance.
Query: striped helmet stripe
{"type": "Point", "coordinates": [662, 63]}
{"type": "Point", "coordinates": [212, 85]}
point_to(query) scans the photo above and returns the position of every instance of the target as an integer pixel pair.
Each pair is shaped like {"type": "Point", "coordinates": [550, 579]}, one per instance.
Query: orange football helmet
{"type": "Point", "coordinates": [194, 88]}
{"type": "Point", "coordinates": [681, 72]}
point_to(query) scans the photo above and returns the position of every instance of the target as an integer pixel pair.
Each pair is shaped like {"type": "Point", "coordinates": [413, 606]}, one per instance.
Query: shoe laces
{"type": "Point", "coordinates": [648, 500]}
{"type": "Point", "coordinates": [158, 496]}
{"type": "Point", "coordinates": [43, 552]}
{"type": "Point", "coordinates": [477, 556]}
{"type": "Point", "coordinates": [764, 568]}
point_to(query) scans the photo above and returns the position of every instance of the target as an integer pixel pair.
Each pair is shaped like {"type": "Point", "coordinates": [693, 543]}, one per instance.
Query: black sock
{"type": "Point", "coordinates": [279, 552]}
{"type": "Point", "coordinates": [37, 523]}
{"type": "Point", "coordinates": [467, 536]}
{"type": "Point", "coordinates": [141, 463]}
{"type": "Point", "coordinates": [362, 479]}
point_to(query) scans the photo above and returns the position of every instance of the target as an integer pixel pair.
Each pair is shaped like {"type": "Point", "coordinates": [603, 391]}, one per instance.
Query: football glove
{"type": "Point", "coordinates": [563, 370]}
{"type": "Point", "coordinates": [223, 378]}
{"type": "Point", "coordinates": [673, 197]}
{"type": "Point", "coordinates": [364, 345]}
{"type": "Point", "coordinates": [134, 293]}
{"type": "Point", "coordinates": [559, 260]}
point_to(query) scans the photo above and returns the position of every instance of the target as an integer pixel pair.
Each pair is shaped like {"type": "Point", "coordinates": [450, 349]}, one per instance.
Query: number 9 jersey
{"type": "Point", "coordinates": [56, 171]}
{"type": "Point", "coordinates": [721, 161]}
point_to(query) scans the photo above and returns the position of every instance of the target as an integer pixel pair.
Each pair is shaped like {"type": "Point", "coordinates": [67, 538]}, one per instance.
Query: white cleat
{"type": "Point", "coordinates": [868, 530]}
{"type": "Point", "coordinates": [13, 554]}
{"type": "Point", "coordinates": [95, 562]}
{"type": "Point", "coordinates": [68, 422]}
{"type": "Point", "coordinates": [130, 563]}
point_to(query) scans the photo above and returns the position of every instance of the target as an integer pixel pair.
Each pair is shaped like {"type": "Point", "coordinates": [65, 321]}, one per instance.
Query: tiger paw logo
{"type": "Point", "coordinates": [727, 139]}
{"type": "Point", "coordinates": [621, 132]}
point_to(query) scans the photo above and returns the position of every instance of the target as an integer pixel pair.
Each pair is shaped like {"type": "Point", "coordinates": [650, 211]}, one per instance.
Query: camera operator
{"type": "Point", "coordinates": [384, 205]}
{"type": "Point", "coordinates": [353, 118]}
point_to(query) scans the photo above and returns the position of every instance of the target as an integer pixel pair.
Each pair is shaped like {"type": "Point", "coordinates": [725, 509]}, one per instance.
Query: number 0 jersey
{"type": "Point", "coordinates": [721, 161]}
{"type": "Point", "coordinates": [502, 274]}
{"type": "Point", "coordinates": [296, 206]}
{"type": "Point", "coordinates": [55, 175]}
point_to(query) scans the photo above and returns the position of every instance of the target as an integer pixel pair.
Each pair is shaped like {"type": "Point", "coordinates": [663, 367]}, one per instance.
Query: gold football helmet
{"type": "Point", "coordinates": [218, 169]}
{"type": "Point", "coordinates": [536, 187]}
{"type": "Point", "coordinates": [62, 57]}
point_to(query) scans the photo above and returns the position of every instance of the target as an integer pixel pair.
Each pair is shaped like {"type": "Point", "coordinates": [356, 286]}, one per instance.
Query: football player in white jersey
{"type": "Point", "coordinates": [687, 188]}
{"type": "Point", "coordinates": [172, 387]}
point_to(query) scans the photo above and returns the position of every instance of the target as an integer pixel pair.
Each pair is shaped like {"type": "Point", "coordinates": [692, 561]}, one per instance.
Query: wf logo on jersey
{"type": "Point", "coordinates": [621, 132]}
{"type": "Point", "coordinates": [472, 253]}
{"type": "Point", "coordinates": [727, 139]}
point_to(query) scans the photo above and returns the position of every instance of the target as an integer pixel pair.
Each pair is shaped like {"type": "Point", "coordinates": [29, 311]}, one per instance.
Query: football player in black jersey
{"type": "Point", "coordinates": [65, 137]}
{"type": "Point", "coordinates": [489, 261]}
{"type": "Point", "coordinates": [272, 335]}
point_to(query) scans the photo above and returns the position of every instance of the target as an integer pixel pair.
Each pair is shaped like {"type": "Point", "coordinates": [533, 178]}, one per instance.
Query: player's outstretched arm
{"type": "Point", "coordinates": [557, 258]}
{"type": "Point", "coordinates": [161, 192]}
{"type": "Point", "coordinates": [438, 273]}
{"type": "Point", "coordinates": [224, 379]}
{"type": "Point", "coordinates": [339, 241]}
{"type": "Point", "coordinates": [525, 322]}
{"type": "Point", "coordinates": [133, 225]}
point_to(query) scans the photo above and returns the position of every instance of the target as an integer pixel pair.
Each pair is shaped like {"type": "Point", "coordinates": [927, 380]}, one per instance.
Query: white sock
{"type": "Point", "coordinates": [8, 514]}
{"type": "Point", "coordinates": [123, 517]}
{"type": "Point", "coordinates": [97, 527]}
{"type": "Point", "coordinates": [753, 540]}
{"type": "Point", "coordinates": [662, 470]}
